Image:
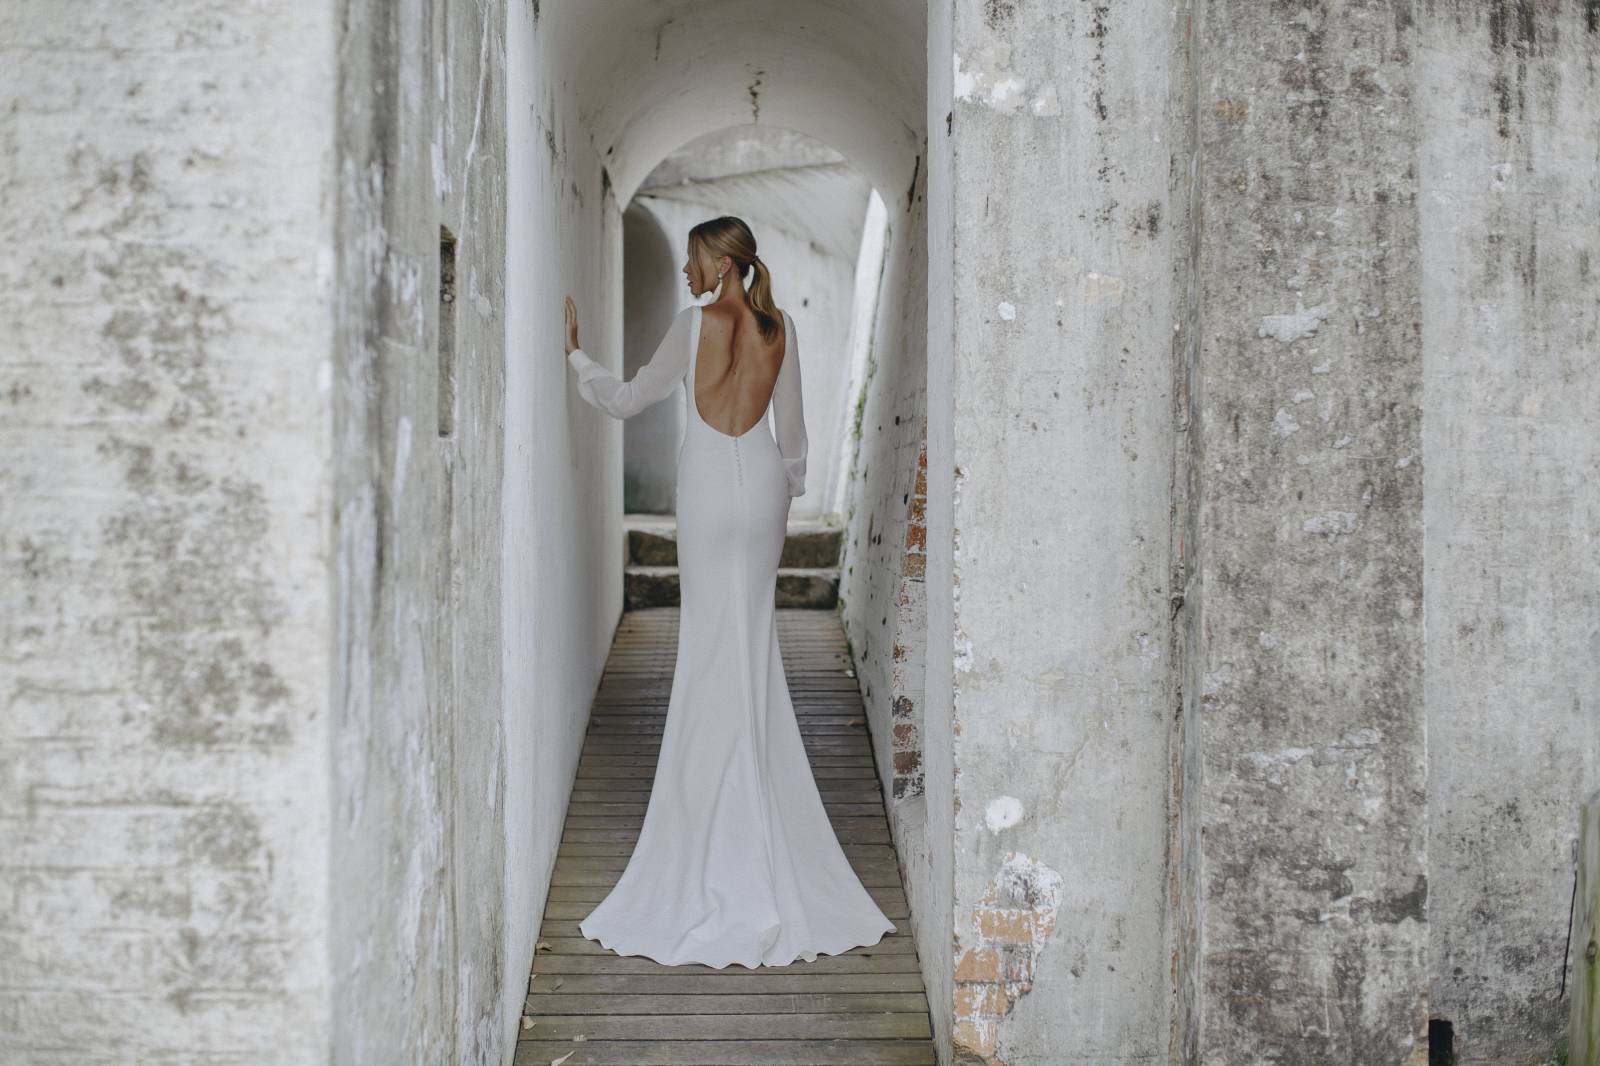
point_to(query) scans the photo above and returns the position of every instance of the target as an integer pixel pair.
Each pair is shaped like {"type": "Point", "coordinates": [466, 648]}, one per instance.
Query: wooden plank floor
{"type": "Point", "coordinates": [864, 1006]}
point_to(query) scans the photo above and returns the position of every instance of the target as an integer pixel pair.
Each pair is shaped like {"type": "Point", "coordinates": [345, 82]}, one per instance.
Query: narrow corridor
{"type": "Point", "coordinates": [586, 1005]}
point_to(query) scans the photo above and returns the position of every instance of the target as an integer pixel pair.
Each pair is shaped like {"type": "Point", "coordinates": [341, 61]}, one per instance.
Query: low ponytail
{"type": "Point", "coordinates": [761, 299]}
{"type": "Point", "coordinates": [728, 235]}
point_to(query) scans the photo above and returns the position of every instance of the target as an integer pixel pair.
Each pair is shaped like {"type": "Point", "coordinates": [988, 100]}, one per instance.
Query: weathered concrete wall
{"type": "Point", "coordinates": [258, 528]}
{"type": "Point", "coordinates": [1064, 169]}
{"type": "Point", "coordinates": [1509, 169]}
{"type": "Point", "coordinates": [164, 662]}
{"type": "Point", "coordinates": [882, 570]}
{"type": "Point", "coordinates": [1313, 796]}
{"type": "Point", "coordinates": [936, 906]}
{"type": "Point", "coordinates": [883, 564]}
{"type": "Point", "coordinates": [423, 966]}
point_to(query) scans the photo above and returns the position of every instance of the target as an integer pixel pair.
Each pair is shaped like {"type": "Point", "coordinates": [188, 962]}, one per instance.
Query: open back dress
{"type": "Point", "coordinates": [736, 860]}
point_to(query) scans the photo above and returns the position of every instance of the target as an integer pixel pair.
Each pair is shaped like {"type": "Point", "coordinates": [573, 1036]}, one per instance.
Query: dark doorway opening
{"type": "Point", "coordinates": [1441, 1042]}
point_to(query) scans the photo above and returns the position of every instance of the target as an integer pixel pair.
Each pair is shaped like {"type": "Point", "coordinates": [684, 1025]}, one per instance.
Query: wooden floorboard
{"type": "Point", "coordinates": [587, 1006]}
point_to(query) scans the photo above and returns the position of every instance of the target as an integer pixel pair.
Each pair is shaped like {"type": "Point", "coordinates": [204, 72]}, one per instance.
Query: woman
{"type": "Point", "coordinates": [736, 860]}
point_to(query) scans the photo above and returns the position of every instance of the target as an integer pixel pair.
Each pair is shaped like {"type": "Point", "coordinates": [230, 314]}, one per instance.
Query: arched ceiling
{"type": "Point", "coordinates": [789, 181]}
{"type": "Point", "coordinates": [653, 74]}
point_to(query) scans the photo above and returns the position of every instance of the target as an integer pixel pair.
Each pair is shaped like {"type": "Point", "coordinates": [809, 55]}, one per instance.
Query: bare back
{"type": "Point", "coordinates": [735, 369]}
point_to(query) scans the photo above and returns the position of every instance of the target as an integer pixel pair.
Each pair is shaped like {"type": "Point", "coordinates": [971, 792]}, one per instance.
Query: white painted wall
{"type": "Point", "coordinates": [871, 261]}
{"type": "Point", "coordinates": [561, 479]}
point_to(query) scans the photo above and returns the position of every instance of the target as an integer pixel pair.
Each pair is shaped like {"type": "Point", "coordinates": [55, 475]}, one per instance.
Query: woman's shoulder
{"type": "Point", "coordinates": [724, 322]}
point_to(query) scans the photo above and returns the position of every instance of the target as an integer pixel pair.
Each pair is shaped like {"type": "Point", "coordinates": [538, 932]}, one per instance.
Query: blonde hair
{"type": "Point", "coordinates": [729, 236]}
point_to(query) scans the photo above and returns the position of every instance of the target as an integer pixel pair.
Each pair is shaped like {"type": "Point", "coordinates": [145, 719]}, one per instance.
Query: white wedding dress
{"type": "Point", "coordinates": [736, 861]}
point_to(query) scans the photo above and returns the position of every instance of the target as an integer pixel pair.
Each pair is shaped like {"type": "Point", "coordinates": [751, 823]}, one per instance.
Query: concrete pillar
{"type": "Point", "coordinates": [1058, 168]}
{"type": "Point", "coordinates": [165, 601]}
{"type": "Point", "coordinates": [1308, 623]}
{"type": "Point", "coordinates": [1509, 164]}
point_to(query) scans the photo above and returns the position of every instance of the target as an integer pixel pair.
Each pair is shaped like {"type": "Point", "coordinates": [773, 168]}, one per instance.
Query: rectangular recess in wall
{"type": "Point", "coordinates": [447, 332]}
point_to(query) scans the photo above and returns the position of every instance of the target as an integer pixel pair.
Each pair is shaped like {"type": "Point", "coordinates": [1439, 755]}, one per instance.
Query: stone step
{"type": "Point", "coordinates": [798, 586]}
{"type": "Point", "coordinates": [652, 542]}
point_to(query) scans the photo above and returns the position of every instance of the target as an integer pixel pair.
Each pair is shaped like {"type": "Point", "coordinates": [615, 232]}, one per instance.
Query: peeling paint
{"type": "Point", "coordinates": [1291, 326]}
{"type": "Point", "coordinates": [1330, 522]}
{"type": "Point", "coordinates": [1106, 288]}
{"type": "Point", "coordinates": [963, 651]}
{"type": "Point", "coordinates": [992, 84]}
{"type": "Point", "coordinates": [1003, 812]}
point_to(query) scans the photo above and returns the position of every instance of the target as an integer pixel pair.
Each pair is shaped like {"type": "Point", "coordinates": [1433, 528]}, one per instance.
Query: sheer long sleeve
{"type": "Point", "coordinates": [788, 414]}
{"type": "Point", "coordinates": [652, 383]}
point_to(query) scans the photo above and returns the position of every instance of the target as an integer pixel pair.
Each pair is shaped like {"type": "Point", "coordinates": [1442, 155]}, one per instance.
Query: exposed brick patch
{"type": "Point", "coordinates": [1010, 925]}
{"type": "Point", "coordinates": [910, 605]}
{"type": "Point", "coordinates": [907, 764]}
